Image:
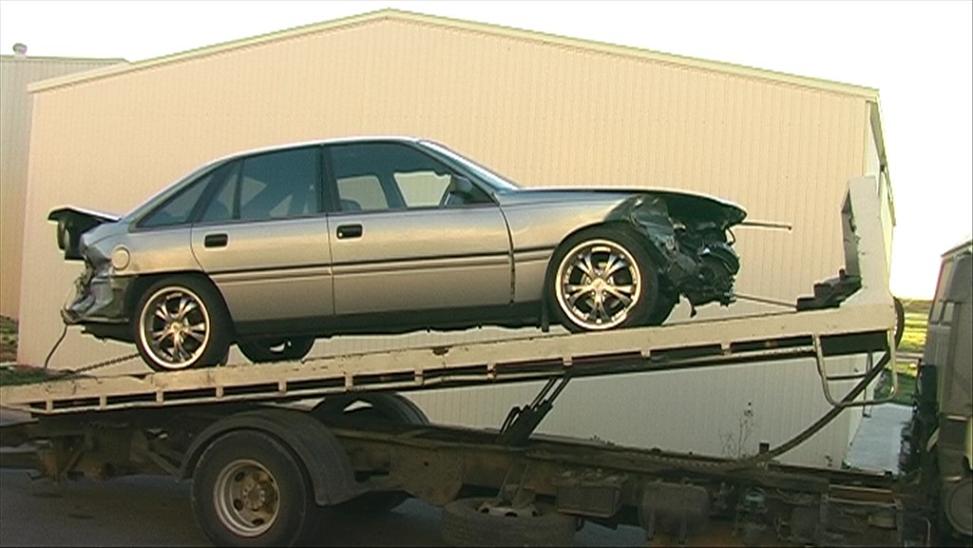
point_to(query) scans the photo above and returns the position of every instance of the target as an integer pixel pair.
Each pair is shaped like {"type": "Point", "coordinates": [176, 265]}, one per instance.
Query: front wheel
{"type": "Point", "coordinates": [603, 278]}
{"type": "Point", "coordinates": [180, 324]}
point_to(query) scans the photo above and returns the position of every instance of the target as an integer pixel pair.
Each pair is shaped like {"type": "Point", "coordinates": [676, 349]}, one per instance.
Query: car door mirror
{"type": "Point", "coordinates": [462, 191]}
{"type": "Point", "coordinates": [462, 186]}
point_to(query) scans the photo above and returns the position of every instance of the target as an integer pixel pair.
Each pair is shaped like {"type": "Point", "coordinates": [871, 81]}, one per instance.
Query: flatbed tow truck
{"type": "Point", "coordinates": [265, 465]}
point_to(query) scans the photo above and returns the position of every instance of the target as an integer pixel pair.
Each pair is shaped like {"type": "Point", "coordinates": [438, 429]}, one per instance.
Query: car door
{"type": "Point", "coordinates": [263, 239]}
{"type": "Point", "coordinates": [399, 240]}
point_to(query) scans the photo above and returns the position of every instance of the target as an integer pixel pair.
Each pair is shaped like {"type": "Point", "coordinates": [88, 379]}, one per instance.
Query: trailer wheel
{"type": "Point", "coordinates": [374, 407]}
{"type": "Point", "coordinates": [466, 524]}
{"type": "Point", "coordinates": [956, 505]}
{"type": "Point", "coordinates": [249, 490]}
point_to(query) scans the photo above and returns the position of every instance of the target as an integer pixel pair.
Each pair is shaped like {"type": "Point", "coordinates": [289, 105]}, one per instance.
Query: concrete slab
{"type": "Point", "coordinates": [876, 444]}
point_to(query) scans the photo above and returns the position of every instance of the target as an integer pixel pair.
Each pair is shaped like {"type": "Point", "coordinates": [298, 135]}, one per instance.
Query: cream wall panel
{"type": "Point", "coordinates": [15, 114]}
{"type": "Point", "coordinates": [544, 114]}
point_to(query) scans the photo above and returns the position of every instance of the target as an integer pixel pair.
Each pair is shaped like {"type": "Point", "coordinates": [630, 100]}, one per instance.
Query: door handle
{"type": "Point", "coordinates": [215, 240]}
{"type": "Point", "coordinates": [349, 231]}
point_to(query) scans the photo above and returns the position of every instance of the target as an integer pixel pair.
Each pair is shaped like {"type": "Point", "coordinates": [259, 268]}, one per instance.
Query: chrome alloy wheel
{"type": "Point", "coordinates": [247, 498]}
{"type": "Point", "coordinates": [174, 327]}
{"type": "Point", "coordinates": [598, 284]}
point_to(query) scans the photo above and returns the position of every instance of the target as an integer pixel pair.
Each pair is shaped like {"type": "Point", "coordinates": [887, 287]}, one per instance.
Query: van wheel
{"type": "Point", "coordinates": [249, 490]}
{"type": "Point", "coordinates": [181, 323]}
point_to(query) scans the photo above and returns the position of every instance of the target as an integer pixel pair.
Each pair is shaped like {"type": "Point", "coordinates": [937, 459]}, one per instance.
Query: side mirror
{"type": "Point", "coordinates": [461, 185]}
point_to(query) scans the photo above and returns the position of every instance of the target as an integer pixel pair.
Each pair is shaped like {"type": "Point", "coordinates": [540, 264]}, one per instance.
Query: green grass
{"type": "Point", "coordinates": [913, 340]}
{"type": "Point", "coordinates": [916, 318]}
{"type": "Point", "coordinates": [8, 339]}
{"type": "Point", "coordinates": [907, 383]}
{"type": "Point", "coordinates": [11, 375]}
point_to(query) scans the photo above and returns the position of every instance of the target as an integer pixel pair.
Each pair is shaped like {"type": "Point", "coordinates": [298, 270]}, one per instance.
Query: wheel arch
{"type": "Point", "coordinates": [394, 406]}
{"type": "Point", "coordinates": [316, 448]}
{"type": "Point", "coordinates": [611, 224]}
{"type": "Point", "coordinates": [142, 282]}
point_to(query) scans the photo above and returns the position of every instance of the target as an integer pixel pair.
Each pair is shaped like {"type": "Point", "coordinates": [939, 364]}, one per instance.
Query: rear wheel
{"type": "Point", "coordinates": [249, 490]}
{"type": "Point", "coordinates": [274, 350]}
{"type": "Point", "coordinates": [603, 278]}
{"type": "Point", "coordinates": [957, 505]}
{"type": "Point", "coordinates": [181, 323]}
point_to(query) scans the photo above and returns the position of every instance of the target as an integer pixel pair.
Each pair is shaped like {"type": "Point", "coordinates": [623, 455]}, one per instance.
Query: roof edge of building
{"type": "Point", "coordinates": [488, 28]}
{"type": "Point", "coordinates": [29, 58]}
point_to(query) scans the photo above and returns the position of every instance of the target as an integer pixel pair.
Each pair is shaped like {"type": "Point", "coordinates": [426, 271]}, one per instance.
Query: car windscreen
{"type": "Point", "coordinates": [495, 180]}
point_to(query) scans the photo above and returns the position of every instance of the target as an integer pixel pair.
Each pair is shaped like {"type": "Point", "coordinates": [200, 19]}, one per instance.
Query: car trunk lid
{"type": "Point", "coordinates": [72, 222]}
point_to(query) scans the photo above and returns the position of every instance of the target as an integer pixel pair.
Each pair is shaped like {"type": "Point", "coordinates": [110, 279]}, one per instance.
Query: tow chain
{"type": "Point", "coordinates": [65, 373]}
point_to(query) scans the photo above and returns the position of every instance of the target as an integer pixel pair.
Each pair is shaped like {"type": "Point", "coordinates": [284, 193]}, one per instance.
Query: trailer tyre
{"type": "Point", "coordinates": [465, 525]}
{"type": "Point", "coordinates": [250, 490]}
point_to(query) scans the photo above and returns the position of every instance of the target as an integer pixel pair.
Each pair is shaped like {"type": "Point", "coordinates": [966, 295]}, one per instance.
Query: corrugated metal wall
{"type": "Point", "coordinates": [539, 112]}
{"type": "Point", "coordinates": [15, 74]}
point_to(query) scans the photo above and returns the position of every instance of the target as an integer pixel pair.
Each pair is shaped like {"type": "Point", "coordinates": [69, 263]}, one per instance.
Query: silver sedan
{"type": "Point", "coordinates": [273, 248]}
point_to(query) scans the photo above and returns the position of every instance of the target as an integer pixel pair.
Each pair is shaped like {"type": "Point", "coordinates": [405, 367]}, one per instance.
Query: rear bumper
{"type": "Point", "coordinates": [100, 299]}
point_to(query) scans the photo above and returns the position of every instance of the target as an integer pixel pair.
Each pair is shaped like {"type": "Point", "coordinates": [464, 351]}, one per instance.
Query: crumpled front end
{"type": "Point", "coordinates": [691, 242]}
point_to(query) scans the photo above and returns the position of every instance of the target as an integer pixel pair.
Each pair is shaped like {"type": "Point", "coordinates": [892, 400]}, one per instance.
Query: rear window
{"type": "Point", "coordinates": [178, 209]}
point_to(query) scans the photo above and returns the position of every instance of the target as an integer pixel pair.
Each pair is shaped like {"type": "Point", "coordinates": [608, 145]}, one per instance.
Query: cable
{"type": "Point", "coordinates": [47, 360]}
{"type": "Point", "coordinates": [819, 424]}
{"type": "Point", "coordinates": [765, 300]}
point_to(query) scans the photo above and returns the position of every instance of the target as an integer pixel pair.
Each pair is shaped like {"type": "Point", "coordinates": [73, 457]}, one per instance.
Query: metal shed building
{"type": "Point", "coordinates": [16, 72]}
{"type": "Point", "coordinates": [541, 109]}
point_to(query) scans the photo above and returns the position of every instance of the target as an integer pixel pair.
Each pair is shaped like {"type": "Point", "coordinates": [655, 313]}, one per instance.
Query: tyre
{"type": "Point", "coordinates": [465, 524]}
{"type": "Point", "coordinates": [603, 278]}
{"type": "Point", "coordinates": [250, 490]}
{"type": "Point", "coordinates": [370, 407]}
{"type": "Point", "coordinates": [373, 407]}
{"type": "Point", "coordinates": [668, 300]}
{"type": "Point", "coordinates": [275, 350]}
{"type": "Point", "coordinates": [957, 505]}
{"type": "Point", "coordinates": [181, 323]}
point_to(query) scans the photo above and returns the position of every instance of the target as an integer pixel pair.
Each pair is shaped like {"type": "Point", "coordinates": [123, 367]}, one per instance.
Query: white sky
{"type": "Point", "coordinates": [919, 55]}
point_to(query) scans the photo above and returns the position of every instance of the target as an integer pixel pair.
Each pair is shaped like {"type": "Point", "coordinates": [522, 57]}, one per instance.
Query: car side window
{"type": "Point", "coordinates": [278, 185]}
{"type": "Point", "coordinates": [220, 206]}
{"type": "Point", "coordinates": [178, 209]}
{"type": "Point", "coordinates": [422, 188]}
{"type": "Point", "coordinates": [381, 176]}
{"type": "Point", "coordinates": [361, 193]}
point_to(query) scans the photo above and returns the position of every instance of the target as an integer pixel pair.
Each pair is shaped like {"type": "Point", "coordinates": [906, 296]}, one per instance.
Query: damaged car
{"type": "Point", "coordinates": [271, 249]}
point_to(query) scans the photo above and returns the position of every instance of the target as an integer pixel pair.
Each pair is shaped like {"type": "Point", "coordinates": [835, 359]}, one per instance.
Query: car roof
{"type": "Point", "coordinates": [331, 141]}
